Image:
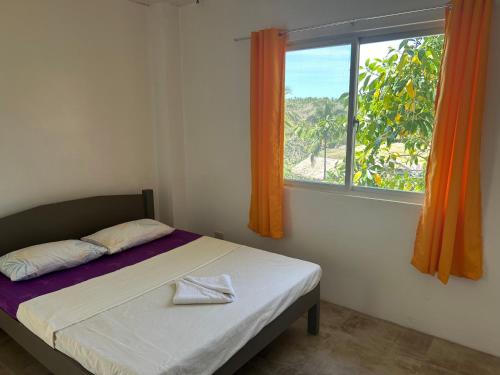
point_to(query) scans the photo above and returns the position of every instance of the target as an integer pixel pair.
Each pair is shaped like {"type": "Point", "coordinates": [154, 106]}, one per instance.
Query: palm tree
{"type": "Point", "coordinates": [326, 127]}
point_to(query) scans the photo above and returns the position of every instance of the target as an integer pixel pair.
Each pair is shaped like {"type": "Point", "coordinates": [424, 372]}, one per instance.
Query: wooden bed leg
{"type": "Point", "coordinates": [313, 320]}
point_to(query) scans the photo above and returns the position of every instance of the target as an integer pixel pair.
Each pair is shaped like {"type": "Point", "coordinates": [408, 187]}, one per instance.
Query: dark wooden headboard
{"type": "Point", "coordinates": [72, 219]}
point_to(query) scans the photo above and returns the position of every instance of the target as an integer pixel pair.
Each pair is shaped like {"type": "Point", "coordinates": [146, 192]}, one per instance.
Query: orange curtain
{"type": "Point", "coordinates": [267, 111]}
{"type": "Point", "coordinates": [449, 234]}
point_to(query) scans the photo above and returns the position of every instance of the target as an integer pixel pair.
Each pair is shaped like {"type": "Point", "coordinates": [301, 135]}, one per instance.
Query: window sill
{"type": "Point", "coordinates": [395, 196]}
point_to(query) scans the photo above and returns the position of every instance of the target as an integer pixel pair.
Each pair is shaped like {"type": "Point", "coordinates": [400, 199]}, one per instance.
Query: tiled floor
{"type": "Point", "coordinates": [349, 343]}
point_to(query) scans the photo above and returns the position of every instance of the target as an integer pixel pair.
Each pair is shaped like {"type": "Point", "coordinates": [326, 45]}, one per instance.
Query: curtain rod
{"type": "Point", "coordinates": [352, 21]}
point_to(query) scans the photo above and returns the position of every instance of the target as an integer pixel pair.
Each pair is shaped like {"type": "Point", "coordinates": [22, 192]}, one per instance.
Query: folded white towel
{"type": "Point", "coordinates": [193, 290]}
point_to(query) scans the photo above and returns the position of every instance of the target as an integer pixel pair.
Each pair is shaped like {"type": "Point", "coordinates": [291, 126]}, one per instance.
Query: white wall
{"type": "Point", "coordinates": [363, 245]}
{"type": "Point", "coordinates": [75, 114]}
{"type": "Point", "coordinates": [165, 65]}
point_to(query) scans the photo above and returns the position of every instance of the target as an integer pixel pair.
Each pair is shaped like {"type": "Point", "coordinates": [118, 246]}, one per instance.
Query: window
{"type": "Point", "coordinates": [376, 135]}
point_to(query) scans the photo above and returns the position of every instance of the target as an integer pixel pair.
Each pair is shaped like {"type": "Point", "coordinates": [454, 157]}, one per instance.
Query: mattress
{"type": "Point", "coordinates": [112, 329]}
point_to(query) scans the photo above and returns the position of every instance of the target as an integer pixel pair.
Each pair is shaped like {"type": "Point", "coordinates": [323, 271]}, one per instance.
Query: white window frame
{"type": "Point", "coordinates": [355, 39]}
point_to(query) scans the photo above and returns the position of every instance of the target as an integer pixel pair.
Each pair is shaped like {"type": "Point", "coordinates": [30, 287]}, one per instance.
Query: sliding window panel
{"type": "Point", "coordinates": [397, 80]}
{"type": "Point", "coordinates": [317, 112]}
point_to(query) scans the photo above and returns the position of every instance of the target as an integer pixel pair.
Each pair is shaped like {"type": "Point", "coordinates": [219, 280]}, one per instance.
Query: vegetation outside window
{"type": "Point", "coordinates": [391, 125]}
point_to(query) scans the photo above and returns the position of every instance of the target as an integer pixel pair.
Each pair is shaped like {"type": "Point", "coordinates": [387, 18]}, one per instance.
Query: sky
{"type": "Point", "coordinates": [324, 72]}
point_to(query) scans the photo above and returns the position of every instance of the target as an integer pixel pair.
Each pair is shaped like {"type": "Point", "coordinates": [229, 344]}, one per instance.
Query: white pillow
{"type": "Point", "coordinates": [38, 260]}
{"type": "Point", "coordinates": [127, 235]}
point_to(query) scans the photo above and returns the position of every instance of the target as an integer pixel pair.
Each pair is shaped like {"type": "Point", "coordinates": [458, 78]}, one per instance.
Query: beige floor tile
{"type": "Point", "coordinates": [473, 362]}
{"type": "Point", "coordinates": [429, 369]}
{"type": "Point", "coordinates": [413, 344]}
{"type": "Point", "coordinates": [462, 360]}
{"type": "Point", "coordinates": [444, 354]}
{"type": "Point", "coordinates": [372, 334]}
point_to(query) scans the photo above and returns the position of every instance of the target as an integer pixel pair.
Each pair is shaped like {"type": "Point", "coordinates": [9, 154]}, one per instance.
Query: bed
{"type": "Point", "coordinates": [121, 320]}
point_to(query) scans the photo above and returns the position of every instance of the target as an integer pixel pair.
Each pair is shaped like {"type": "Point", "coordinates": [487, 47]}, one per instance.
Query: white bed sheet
{"type": "Point", "coordinates": [151, 336]}
{"type": "Point", "coordinates": [47, 314]}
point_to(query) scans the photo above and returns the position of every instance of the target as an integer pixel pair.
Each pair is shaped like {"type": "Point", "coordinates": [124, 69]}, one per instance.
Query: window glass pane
{"type": "Point", "coordinates": [396, 93]}
{"type": "Point", "coordinates": [317, 86]}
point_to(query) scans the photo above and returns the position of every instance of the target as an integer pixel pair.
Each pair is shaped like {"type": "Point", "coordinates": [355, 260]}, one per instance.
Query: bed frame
{"type": "Point", "coordinates": [77, 218]}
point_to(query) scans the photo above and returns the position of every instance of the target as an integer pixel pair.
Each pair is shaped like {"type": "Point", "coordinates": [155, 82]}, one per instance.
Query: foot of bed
{"type": "Point", "coordinates": [313, 320]}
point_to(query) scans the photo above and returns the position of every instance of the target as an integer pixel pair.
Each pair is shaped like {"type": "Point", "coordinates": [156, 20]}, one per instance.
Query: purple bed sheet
{"type": "Point", "coordinates": [12, 294]}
